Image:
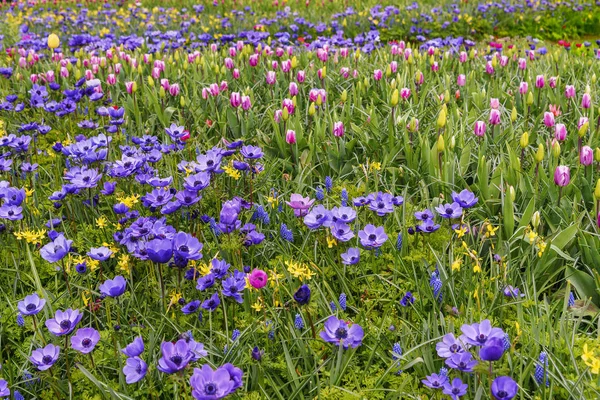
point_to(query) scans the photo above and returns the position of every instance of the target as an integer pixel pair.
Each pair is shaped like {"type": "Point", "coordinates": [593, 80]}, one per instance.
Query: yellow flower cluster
{"type": "Point", "coordinates": [300, 271]}
{"type": "Point", "coordinates": [31, 236]}
{"type": "Point", "coordinates": [590, 359]}
{"type": "Point", "coordinates": [232, 172]}
{"type": "Point", "coordinates": [536, 240]}
{"type": "Point", "coordinates": [130, 201]}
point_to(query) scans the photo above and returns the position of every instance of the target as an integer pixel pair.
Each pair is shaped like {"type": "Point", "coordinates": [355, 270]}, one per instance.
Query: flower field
{"type": "Point", "coordinates": [302, 200]}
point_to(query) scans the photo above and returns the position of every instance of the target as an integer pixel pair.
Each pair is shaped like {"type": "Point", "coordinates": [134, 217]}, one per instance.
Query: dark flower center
{"type": "Point", "coordinates": [501, 394]}
{"type": "Point", "coordinates": [86, 342]}
{"type": "Point", "coordinates": [319, 216]}
{"type": "Point", "coordinates": [210, 163]}
{"type": "Point", "coordinates": [187, 199]}
{"type": "Point", "coordinates": [100, 254]}
{"type": "Point", "coordinates": [47, 360]}
{"type": "Point", "coordinates": [184, 249]}
{"type": "Point", "coordinates": [435, 383]}
{"type": "Point", "coordinates": [65, 324]}
{"type": "Point", "coordinates": [372, 236]}
{"type": "Point", "coordinates": [341, 333]}
{"type": "Point", "coordinates": [481, 338]}
{"type": "Point", "coordinates": [30, 307]}
{"type": "Point", "coordinates": [449, 210]}
{"type": "Point", "coordinates": [455, 390]}
{"type": "Point", "coordinates": [462, 364]}
{"type": "Point", "coordinates": [177, 360]}
{"type": "Point", "coordinates": [380, 205]}
{"type": "Point", "coordinates": [210, 388]}
{"type": "Point", "coordinates": [340, 232]}
{"type": "Point", "coordinates": [160, 198]}
{"type": "Point", "coordinates": [344, 216]}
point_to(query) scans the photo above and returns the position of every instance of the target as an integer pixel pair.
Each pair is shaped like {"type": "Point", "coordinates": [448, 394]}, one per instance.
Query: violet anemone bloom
{"type": "Point", "coordinates": [100, 253]}
{"type": "Point", "coordinates": [511, 291]}
{"type": "Point", "coordinates": [85, 339]}
{"type": "Point", "coordinates": [4, 390]}
{"type": "Point", "coordinates": [449, 346]}
{"type": "Point", "coordinates": [233, 287]}
{"type": "Point", "coordinates": [64, 322]}
{"type": "Point", "coordinates": [372, 236]}
{"type": "Point", "coordinates": [209, 384]}
{"type": "Point", "coordinates": [251, 152]}
{"type": "Point", "coordinates": [134, 348]}
{"type": "Point", "coordinates": [300, 204]}
{"type": "Point", "coordinates": [504, 388]}
{"type": "Point", "coordinates": [258, 278]}
{"type": "Point", "coordinates": [175, 356]}
{"type": "Point", "coordinates": [465, 198]}
{"type": "Point", "coordinates": [31, 304]}
{"type": "Point", "coordinates": [343, 214]}
{"type": "Point", "coordinates": [492, 350]}
{"type": "Point", "coordinates": [462, 361]}
{"type": "Point", "coordinates": [191, 307]}
{"type": "Point", "coordinates": [450, 211]}
{"type": "Point", "coordinates": [45, 357]}
{"type": "Point", "coordinates": [435, 381]}
{"type": "Point", "coordinates": [455, 389]}
{"type": "Point", "coordinates": [113, 287]}
{"type": "Point", "coordinates": [211, 303]}
{"type": "Point", "coordinates": [478, 333]}
{"type": "Point", "coordinates": [135, 370]}
{"type": "Point", "coordinates": [351, 256]}
{"type": "Point", "coordinates": [562, 175]}
{"type": "Point", "coordinates": [186, 246]}
{"type": "Point", "coordinates": [159, 250]}
{"type": "Point", "coordinates": [337, 332]}
{"type": "Point", "coordinates": [342, 231]}
{"type": "Point", "coordinates": [318, 217]}
{"type": "Point", "coordinates": [57, 249]}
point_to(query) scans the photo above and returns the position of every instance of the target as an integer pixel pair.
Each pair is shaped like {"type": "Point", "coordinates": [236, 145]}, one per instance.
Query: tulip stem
{"type": "Point", "coordinates": [559, 195]}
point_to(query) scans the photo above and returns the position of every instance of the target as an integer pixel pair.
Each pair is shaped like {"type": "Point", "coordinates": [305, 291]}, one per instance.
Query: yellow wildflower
{"type": "Point", "coordinates": [476, 267]}
{"type": "Point", "coordinates": [174, 298]}
{"type": "Point", "coordinates": [85, 298]}
{"type": "Point", "coordinates": [124, 263]}
{"type": "Point", "coordinates": [587, 355]}
{"type": "Point", "coordinates": [272, 200]}
{"type": "Point", "coordinates": [258, 306]}
{"type": "Point", "coordinates": [31, 237]}
{"type": "Point", "coordinates": [232, 172]}
{"type": "Point", "coordinates": [101, 222]}
{"type": "Point", "coordinates": [531, 236]}
{"type": "Point", "coordinates": [456, 265]}
{"type": "Point", "coordinates": [490, 230]}
{"type": "Point", "coordinates": [331, 242]}
{"type": "Point", "coordinates": [204, 269]}
{"type": "Point", "coordinates": [299, 271]}
{"type": "Point", "coordinates": [93, 264]}
{"type": "Point", "coordinates": [518, 328]}
{"type": "Point", "coordinates": [595, 366]}
{"type": "Point", "coordinates": [460, 232]}
{"type": "Point", "coordinates": [374, 166]}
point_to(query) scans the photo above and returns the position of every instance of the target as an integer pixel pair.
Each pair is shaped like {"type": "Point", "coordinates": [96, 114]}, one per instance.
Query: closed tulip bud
{"type": "Point", "coordinates": [319, 100]}
{"type": "Point", "coordinates": [440, 144]}
{"type": "Point", "coordinates": [479, 129]}
{"type": "Point", "coordinates": [597, 154]}
{"type": "Point", "coordinates": [452, 142]}
{"type": "Point", "coordinates": [294, 101]}
{"type": "Point", "coordinates": [388, 71]}
{"type": "Point", "coordinates": [549, 119]}
{"type": "Point", "coordinates": [539, 154]}
{"type": "Point", "coordinates": [410, 60]}
{"type": "Point", "coordinates": [338, 129]}
{"type": "Point", "coordinates": [395, 98]}
{"type": "Point", "coordinates": [512, 193]}
{"type": "Point", "coordinates": [285, 114]}
{"type": "Point", "coordinates": [586, 100]}
{"type": "Point", "coordinates": [535, 219]}
{"type": "Point", "coordinates": [182, 101]}
{"type": "Point", "coordinates": [594, 78]}
{"type": "Point", "coordinates": [555, 149]}
{"type": "Point", "coordinates": [344, 96]}
{"type": "Point", "coordinates": [461, 80]}
{"type": "Point", "coordinates": [162, 93]}
{"type": "Point", "coordinates": [529, 98]}
{"type": "Point", "coordinates": [441, 121]}
{"type": "Point", "coordinates": [524, 142]}
{"type": "Point", "coordinates": [583, 129]}
{"type": "Point", "coordinates": [290, 136]}
{"type": "Point", "coordinates": [446, 96]}
{"type": "Point", "coordinates": [413, 125]}
{"type": "Point", "coordinates": [294, 62]}
{"type": "Point", "coordinates": [494, 61]}
{"type": "Point", "coordinates": [513, 114]}
{"type": "Point", "coordinates": [53, 41]}
{"type": "Point", "coordinates": [366, 82]}
{"type": "Point", "coordinates": [393, 84]}
{"type": "Point", "coordinates": [311, 109]}
{"type": "Point", "coordinates": [77, 74]}
{"type": "Point", "coordinates": [586, 156]}
{"type": "Point", "coordinates": [597, 190]}
{"type": "Point", "coordinates": [150, 81]}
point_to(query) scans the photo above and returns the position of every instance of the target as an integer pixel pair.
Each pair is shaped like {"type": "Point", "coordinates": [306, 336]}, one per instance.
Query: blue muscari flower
{"type": "Point", "coordinates": [214, 227]}
{"type": "Point", "coordinates": [443, 371]}
{"type": "Point", "coordinates": [328, 184]}
{"type": "Point", "coordinates": [299, 322]}
{"type": "Point", "coordinates": [18, 396]}
{"type": "Point", "coordinates": [540, 369]}
{"type": "Point", "coordinates": [344, 197]}
{"type": "Point", "coordinates": [261, 214]}
{"type": "Point", "coordinates": [506, 342]}
{"type": "Point", "coordinates": [397, 351]}
{"type": "Point", "coordinates": [200, 316]}
{"type": "Point", "coordinates": [319, 194]}
{"type": "Point", "coordinates": [225, 349]}
{"type": "Point", "coordinates": [399, 242]}
{"type": "Point", "coordinates": [342, 301]}
{"type": "Point", "coordinates": [280, 208]}
{"type": "Point", "coordinates": [285, 233]}
{"type": "Point", "coordinates": [571, 300]}
{"type": "Point", "coordinates": [272, 334]}
{"type": "Point", "coordinates": [436, 284]}
{"type": "Point", "coordinates": [235, 335]}
{"type": "Point", "coordinates": [332, 305]}
{"type": "Point", "coordinates": [20, 320]}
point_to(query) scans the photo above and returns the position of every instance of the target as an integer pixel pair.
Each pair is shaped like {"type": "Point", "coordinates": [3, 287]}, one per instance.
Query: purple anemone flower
{"type": "Point", "coordinates": [300, 204]}
{"type": "Point", "coordinates": [187, 246]}
{"type": "Point", "coordinates": [251, 152]}
{"type": "Point", "coordinates": [85, 339]}
{"type": "Point", "coordinates": [175, 356]}
{"type": "Point", "coordinates": [465, 199]}
{"type": "Point", "coordinates": [372, 236]}
{"type": "Point", "coordinates": [45, 357]}
{"type": "Point", "coordinates": [64, 322]}
{"type": "Point", "coordinates": [450, 211]}
{"type": "Point", "coordinates": [435, 381]}
{"type": "Point", "coordinates": [461, 361]}
{"type": "Point", "coordinates": [337, 332]}
{"type": "Point", "coordinates": [135, 370]}
{"type": "Point", "coordinates": [234, 287]}
{"type": "Point", "coordinates": [455, 389]}
{"type": "Point", "coordinates": [100, 253]}
{"type": "Point", "coordinates": [343, 214]}
{"type": "Point", "coordinates": [477, 334]}
{"type": "Point", "coordinates": [31, 304]}
{"type": "Point", "coordinates": [57, 249]}
{"type": "Point", "coordinates": [342, 231]}
{"type": "Point", "coordinates": [191, 307]}
{"type": "Point", "coordinates": [424, 215]}
{"type": "Point", "coordinates": [504, 388]}
{"type": "Point", "coordinates": [159, 250]}
{"type": "Point", "coordinates": [113, 287]}
{"type": "Point", "coordinates": [449, 346]}
{"type": "Point", "coordinates": [211, 303]}
{"type": "Point", "coordinates": [134, 348]}
{"type": "Point", "coordinates": [209, 384]}
{"type": "Point", "coordinates": [492, 350]}
{"type": "Point", "coordinates": [351, 256]}
{"type": "Point", "coordinates": [319, 216]}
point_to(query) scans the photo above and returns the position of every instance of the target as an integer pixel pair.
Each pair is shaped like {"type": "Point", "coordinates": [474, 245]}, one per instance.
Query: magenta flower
{"type": "Point", "coordinates": [300, 204]}
{"type": "Point", "coordinates": [258, 278]}
{"type": "Point", "coordinates": [562, 175]}
{"type": "Point", "coordinates": [586, 156]}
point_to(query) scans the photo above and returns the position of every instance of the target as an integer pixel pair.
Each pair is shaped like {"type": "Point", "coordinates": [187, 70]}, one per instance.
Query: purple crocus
{"type": "Point", "coordinates": [461, 361]}
{"type": "Point", "coordinates": [477, 334]}
{"type": "Point", "coordinates": [57, 249]}
{"type": "Point", "coordinates": [337, 331]}
{"type": "Point", "coordinates": [435, 381]}
{"type": "Point", "coordinates": [31, 304]}
{"type": "Point", "coordinates": [135, 370]}
{"type": "Point", "coordinates": [504, 388]}
{"type": "Point", "coordinates": [113, 287]}
{"type": "Point", "coordinates": [465, 198]}
{"type": "Point", "coordinates": [300, 204]}
{"type": "Point", "coordinates": [450, 211]}
{"type": "Point", "coordinates": [455, 389]}
{"type": "Point", "coordinates": [45, 357]}
{"type": "Point", "coordinates": [134, 348]}
{"type": "Point", "coordinates": [64, 322]}
{"type": "Point", "coordinates": [372, 236]}
{"type": "Point", "coordinates": [351, 256]}
{"type": "Point", "coordinates": [84, 340]}
{"type": "Point", "coordinates": [175, 356]}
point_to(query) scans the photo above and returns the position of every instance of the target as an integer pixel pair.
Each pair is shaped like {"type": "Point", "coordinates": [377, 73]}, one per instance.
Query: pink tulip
{"type": "Point", "coordinates": [377, 74]}
{"type": "Point", "coordinates": [320, 73]}
{"type": "Point", "coordinates": [174, 89]}
{"type": "Point", "coordinates": [235, 99]}
{"type": "Point", "coordinates": [395, 50]}
{"type": "Point", "coordinates": [586, 100]}
{"type": "Point", "coordinates": [286, 66]}
{"type": "Point", "coordinates": [407, 53]}
{"type": "Point", "coordinates": [531, 55]}
{"type": "Point", "coordinates": [155, 73]}
{"type": "Point", "coordinates": [239, 45]}
{"type": "Point", "coordinates": [165, 84]}
{"type": "Point", "coordinates": [89, 75]}
{"type": "Point", "coordinates": [111, 79]}
{"type": "Point", "coordinates": [232, 52]}
{"type": "Point", "coordinates": [344, 52]}
{"type": "Point", "coordinates": [213, 47]}
{"type": "Point", "coordinates": [462, 57]}
{"type": "Point", "coordinates": [129, 87]}
{"type": "Point", "coordinates": [562, 175]}
{"type": "Point", "coordinates": [582, 121]}
{"type": "Point", "coordinates": [461, 80]}
{"type": "Point", "coordinates": [394, 66]}
{"type": "Point", "coordinates": [540, 81]}
{"type": "Point", "coordinates": [301, 76]}
{"type": "Point", "coordinates": [34, 78]}
{"type": "Point", "coordinates": [288, 105]}
{"type": "Point", "coordinates": [345, 72]}
{"type": "Point", "coordinates": [338, 129]}
{"type": "Point", "coordinates": [435, 67]}
{"type": "Point", "coordinates": [560, 132]}
{"type": "Point", "coordinates": [293, 89]}
{"type": "Point", "coordinates": [494, 103]}
{"type": "Point", "coordinates": [570, 91]}
{"type": "Point", "coordinates": [246, 103]}
{"type": "Point", "coordinates": [279, 52]}
{"type": "Point", "coordinates": [405, 93]}
{"type": "Point", "coordinates": [494, 117]}
{"type": "Point", "coordinates": [214, 89]}
{"type": "Point", "coordinates": [431, 51]}
{"type": "Point", "coordinates": [236, 73]}
{"type": "Point", "coordinates": [224, 86]}
{"type": "Point", "coordinates": [64, 73]}
{"type": "Point", "coordinates": [228, 63]}
{"type": "Point", "coordinates": [118, 68]}
{"type": "Point", "coordinates": [274, 65]}
{"type": "Point", "coordinates": [322, 55]}
{"type": "Point", "coordinates": [549, 119]}
{"type": "Point", "coordinates": [480, 128]}
{"type": "Point", "coordinates": [253, 60]}
{"type": "Point", "coordinates": [523, 87]}
{"type": "Point", "coordinates": [271, 77]}
{"type": "Point", "coordinates": [586, 156]}
{"type": "Point", "coordinates": [290, 136]}
{"type": "Point", "coordinates": [205, 93]}
{"type": "Point", "coordinates": [489, 68]}
{"type": "Point", "coordinates": [50, 76]}
{"type": "Point", "coordinates": [277, 116]}
{"type": "Point", "coordinates": [552, 82]}
{"type": "Point", "coordinates": [503, 61]}
{"type": "Point", "coordinates": [522, 63]}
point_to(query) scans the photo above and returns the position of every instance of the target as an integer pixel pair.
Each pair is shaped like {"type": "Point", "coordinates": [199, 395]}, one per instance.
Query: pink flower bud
{"type": "Point", "coordinates": [523, 87]}
{"type": "Point", "coordinates": [246, 103]}
{"type": "Point", "coordinates": [111, 79]}
{"type": "Point", "coordinates": [279, 52]}
{"type": "Point", "coordinates": [271, 77]}
{"type": "Point", "coordinates": [274, 65]}
{"type": "Point", "coordinates": [405, 93]}
{"type": "Point", "coordinates": [174, 89]}
{"type": "Point", "coordinates": [582, 121]}
{"type": "Point", "coordinates": [494, 103]}
{"type": "Point", "coordinates": [224, 86]}
{"type": "Point", "coordinates": [560, 132]}
{"type": "Point", "coordinates": [549, 119]}
{"type": "Point", "coordinates": [461, 80]}
{"type": "Point", "coordinates": [301, 76]}
{"type": "Point", "coordinates": [286, 66]}
{"type": "Point", "coordinates": [480, 128]}
{"type": "Point", "coordinates": [290, 136]}
{"type": "Point", "coordinates": [462, 57]}
{"type": "Point", "coordinates": [569, 91]}
{"type": "Point", "coordinates": [34, 78]}
{"type": "Point", "coordinates": [155, 73]}
{"type": "Point", "coordinates": [552, 82]}
{"type": "Point", "coordinates": [288, 105]}
{"type": "Point", "coordinates": [293, 89]}
{"type": "Point", "coordinates": [129, 86]}
{"type": "Point", "coordinates": [540, 81]}
{"type": "Point", "coordinates": [235, 99]}
{"type": "Point", "coordinates": [277, 116]}
{"type": "Point", "coordinates": [165, 84]}
{"type": "Point", "coordinates": [214, 89]}
{"type": "Point", "coordinates": [489, 68]}
{"type": "Point", "coordinates": [213, 47]}
{"type": "Point", "coordinates": [586, 156]}
{"type": "Point", "coordinates": [522, 64]}
{"type": "Point", "coordinates": [494, 117]}
{"type": "Point", "coordinates": [435, 67]}
{"type": "Point", "coordinates": [345, 72]}
{"type": "Point", "coordinates": [236, 73]}
{"type": "Point", "coordinates": [562, 175]}
{"type": "Point", "coordinates": [377, 74]}
{"type": "Point", "coordinates": [253, 60]}
{"type": "Point", "coordinates": [89, 75]}
{"type": "Point", "coordinates": [338, 129]}
{"type": "Point", "coordinates": [586, 100]}
{"type": "Point", "coordinates": [228, 63]}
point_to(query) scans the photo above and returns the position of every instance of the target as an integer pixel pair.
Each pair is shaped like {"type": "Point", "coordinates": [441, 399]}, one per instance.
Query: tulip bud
{"type": "Point", "coordinates": [597, 190]}
{"type": "Point", "coordinates": [162, 93]}
{"type": "Point", "coordinates": [512, 193]}
{"type": "Point", "coordinates": [594, 78]}
{"type": "Point", "coordinates": [583, 129]}
{"type": "Point", "coordinates": [535, 219]}
{"type": "Point", "coordinates": [446, 96]}
{"type": "Point", "coordinates": [53, 41]}
{"type": "Point", "coordinates": [539, 154]}
{"type": "Point", "coordinates": [441, 121]}
{"type": "Point", "coordinates": [395, 98]}
{"type": "Point", "coordinates": [311, 109]}
{"type": "Point", "coordinates": [524, 142]}
{"type": "Point", "coordinates": [440, 144]}
{"type": "Point", "coordinates": [529, 98]}
{"type": "Point", "coordinates": [452, 142]}
{"type": "Point", "coordinates": [513, 114]}
{"type": "Point", "coordinates": [555, 149]}
{"type": "Point", "coordinates": [597, 154]}
{"type": "Point", "coordinates": [150, 81]}
{"type": "Point", "coordinates": [294, 101]}
{"type": "Point", "coordinates": [285, 114]}
{"type": "Point", "coordinates": [344, 96]}
{"type": "Point", "coordinates": [182, 101]}
{"type": "Point", "coordinates": [393, 84]}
